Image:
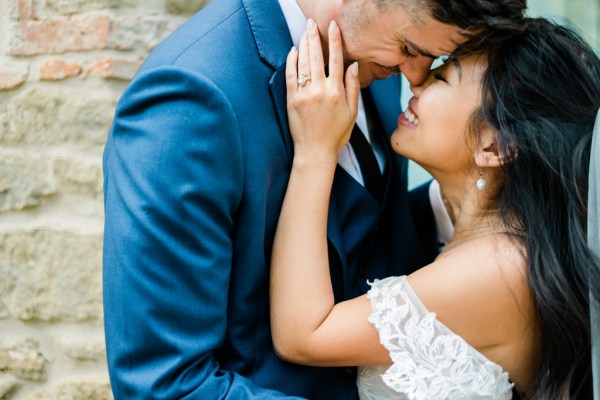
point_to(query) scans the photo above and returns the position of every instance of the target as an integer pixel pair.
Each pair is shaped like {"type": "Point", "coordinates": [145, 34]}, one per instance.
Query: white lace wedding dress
{"type": "Point", "coordinates": [430, 362]}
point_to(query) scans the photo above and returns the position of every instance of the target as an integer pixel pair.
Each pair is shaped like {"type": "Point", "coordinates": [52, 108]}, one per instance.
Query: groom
{"type": "Point", "coordinates": [196, 166]}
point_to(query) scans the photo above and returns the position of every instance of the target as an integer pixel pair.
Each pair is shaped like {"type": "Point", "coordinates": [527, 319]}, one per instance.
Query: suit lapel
{"type": "Point", "coordinates": [270, 30]}
{"type": "Point", "coordinates": [273, 42]}
{"type": "Point", "coordinates": [279, 95]}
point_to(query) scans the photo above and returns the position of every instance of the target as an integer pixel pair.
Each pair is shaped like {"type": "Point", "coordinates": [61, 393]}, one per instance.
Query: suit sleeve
{"type": "Point", "coordinates": [173, 178]}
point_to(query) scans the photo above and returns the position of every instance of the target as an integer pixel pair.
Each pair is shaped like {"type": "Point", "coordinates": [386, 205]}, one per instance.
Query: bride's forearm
{"type": "Point", "coordinates": [301, 292]}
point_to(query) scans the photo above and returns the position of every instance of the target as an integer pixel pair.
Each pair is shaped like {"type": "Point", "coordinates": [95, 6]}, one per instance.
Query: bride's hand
{"type": "Point", "coordinates": [322, 111]}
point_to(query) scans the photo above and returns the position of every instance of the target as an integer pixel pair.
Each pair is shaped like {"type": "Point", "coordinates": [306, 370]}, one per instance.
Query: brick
{"type": "Point", "coordinates": [55, 70]}
{"type": "Point", "coordinates": [25, 179]}
{"type": "Point", "coordinates": [46, 117]}
{"type": "Point", "coordinates": [185, 7]}
{"type": "Point", "coordinates": [13, 76]}
{"type": "Point", "coordinates": [23, 10]}
{"type": "Point", "coordinates": [59, 35]}
{"type": "Point", "coordinates": [23, 360]}
{"type": "Point", "coordinates": [50, 275]}
{"type": "Point", "coordinates": [111, 68]}
{"type": "Point", "coordinates": [144, 33]}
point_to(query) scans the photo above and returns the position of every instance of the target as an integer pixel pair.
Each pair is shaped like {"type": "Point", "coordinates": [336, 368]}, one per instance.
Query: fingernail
{"type": "Point", "coordinates": [293, 50]}
{"type": "Point", "coordinates": [310, 24]}
{"type": "Point", "coordinates": [333, 26]}
{"type": "Point", "coordinates": [354, 68]}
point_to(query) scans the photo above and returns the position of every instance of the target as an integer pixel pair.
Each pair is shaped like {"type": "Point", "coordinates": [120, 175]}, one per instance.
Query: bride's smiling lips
{"type": "Point", "coordinates": [409, 117]}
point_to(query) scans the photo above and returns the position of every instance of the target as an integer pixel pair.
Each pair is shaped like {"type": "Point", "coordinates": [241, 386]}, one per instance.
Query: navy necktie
{"type": "Point", "coordinates": [372, 177]}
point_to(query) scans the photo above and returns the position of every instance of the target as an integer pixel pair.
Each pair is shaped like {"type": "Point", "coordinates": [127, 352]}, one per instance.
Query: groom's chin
{"type": "Point", "coordinates": [366, 77]}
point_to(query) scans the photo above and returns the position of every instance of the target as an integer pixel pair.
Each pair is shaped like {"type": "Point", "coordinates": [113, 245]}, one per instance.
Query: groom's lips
{"type": "Point", "coordinates": [382, 72]}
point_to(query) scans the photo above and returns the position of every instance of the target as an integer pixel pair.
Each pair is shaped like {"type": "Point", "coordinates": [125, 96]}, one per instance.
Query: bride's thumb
{"type": "Point", "coordinates": [352, 87]}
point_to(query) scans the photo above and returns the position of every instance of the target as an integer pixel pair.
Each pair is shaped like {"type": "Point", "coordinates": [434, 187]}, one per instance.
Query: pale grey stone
{"type": "Point", "coordinates": [46, 117]}
{"type": "Point", "coordinates": [82, 348]}
{"type": "Point", "coordinates": [145, 33]}
{"type": "Point", "coordinates": [74, 391]}
{"type": "Point", "coordinates": [23, 360]}
{"type": "Point", "coordinates": [186, 6]}
{"type": "Point", "coordinates": [79, 175]}
{"type": "Point", "coordinates": [24, 180]}
{"type": "Point", "coordinates": [7, 385]}
{"type": "Point", "coordinates": [51, 275]}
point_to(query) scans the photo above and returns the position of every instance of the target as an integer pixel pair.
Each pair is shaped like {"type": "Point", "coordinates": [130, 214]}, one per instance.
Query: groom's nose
{"type": "Point", "coordinates": [416, 70]}
{"type": "Point", "coordinates": [418, 89]}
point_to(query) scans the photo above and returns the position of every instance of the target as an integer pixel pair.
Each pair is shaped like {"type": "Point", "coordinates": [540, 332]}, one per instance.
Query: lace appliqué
{"type": "Point", "coordinates": [429, 360]}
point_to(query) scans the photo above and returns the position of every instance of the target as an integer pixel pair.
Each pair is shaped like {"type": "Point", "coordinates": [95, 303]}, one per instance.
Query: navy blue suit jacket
{"type": "Point", "coordinates": [196, 167]}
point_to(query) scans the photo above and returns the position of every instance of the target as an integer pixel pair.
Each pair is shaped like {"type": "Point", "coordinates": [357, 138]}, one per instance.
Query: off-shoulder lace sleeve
{"type": "Point", "coordinates": [429, 360]}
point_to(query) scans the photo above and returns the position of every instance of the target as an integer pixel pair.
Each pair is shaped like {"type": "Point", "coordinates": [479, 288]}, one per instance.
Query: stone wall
{"type": "Point", "coordinates": [63, 66]}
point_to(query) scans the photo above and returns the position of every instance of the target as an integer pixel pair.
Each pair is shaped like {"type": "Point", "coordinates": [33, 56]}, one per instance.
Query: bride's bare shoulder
{"type": "Point", "coordinates": [479, 290]}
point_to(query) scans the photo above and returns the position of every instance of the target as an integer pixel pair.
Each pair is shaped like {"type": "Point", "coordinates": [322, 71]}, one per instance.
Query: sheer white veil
{"type": "Point", "coordinates": [594, 243]}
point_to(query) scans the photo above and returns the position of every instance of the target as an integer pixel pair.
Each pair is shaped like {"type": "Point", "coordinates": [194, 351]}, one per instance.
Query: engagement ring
{"type": "Point", "coordinates": [303, 79]}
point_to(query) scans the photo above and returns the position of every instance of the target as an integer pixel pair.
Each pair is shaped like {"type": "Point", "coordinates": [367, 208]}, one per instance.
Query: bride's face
{"type": "Point", "coordinates": [432, 131]}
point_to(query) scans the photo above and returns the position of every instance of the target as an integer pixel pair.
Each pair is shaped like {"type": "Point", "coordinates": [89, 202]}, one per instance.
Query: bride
{"type": "Point", "coordinates": [504, 310]}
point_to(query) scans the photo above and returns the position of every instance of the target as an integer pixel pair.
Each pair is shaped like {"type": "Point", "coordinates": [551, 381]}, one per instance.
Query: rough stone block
{"type": "Point", "coordinates": [7, 385]}
{"type": "Point", "coordinates": [185, 6]}
{"type": "Point", "coordinates": [79, 175]}
{"type": "Point", "coordinates": [59, 35]}
{"type": "Point", "coordinates": [82, 348]}
{"type": "Point", "coordinates": [23, 360]}
{"type": "Point", "coordinates": [75, 391]}
{"type": "Point", "coordinates": [46, 117]}
{"type": "Point", "coordinates": [51, 275]}
{"type": "Point", "coordinates": [25, 179]}
{"type": "Point", "coordinates": [127, 33]}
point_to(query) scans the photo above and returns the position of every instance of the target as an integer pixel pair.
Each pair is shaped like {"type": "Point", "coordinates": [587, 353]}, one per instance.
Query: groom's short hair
{"type": "Point", "coordinates": [477, 18]}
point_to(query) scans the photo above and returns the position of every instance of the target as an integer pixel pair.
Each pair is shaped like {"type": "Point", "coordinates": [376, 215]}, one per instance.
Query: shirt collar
{"type": "Point", "coordinates": [295, 19]}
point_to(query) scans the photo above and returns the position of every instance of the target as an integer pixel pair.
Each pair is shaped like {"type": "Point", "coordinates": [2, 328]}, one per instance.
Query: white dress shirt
{"type": "Point", "coordinates": [296, 21]}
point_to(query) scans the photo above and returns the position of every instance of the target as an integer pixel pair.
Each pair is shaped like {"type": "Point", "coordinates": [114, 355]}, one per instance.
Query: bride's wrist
{"type": "Point", "coordinates": [317, 160]}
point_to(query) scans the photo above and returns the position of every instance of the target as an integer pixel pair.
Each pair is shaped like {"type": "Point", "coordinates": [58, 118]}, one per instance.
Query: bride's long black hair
{"type": "Point", "coordinates": [541, 95]}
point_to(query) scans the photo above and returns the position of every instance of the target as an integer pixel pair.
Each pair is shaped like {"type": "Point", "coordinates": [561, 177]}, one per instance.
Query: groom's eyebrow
{"type": "Point", "coordinates": [421, 50]}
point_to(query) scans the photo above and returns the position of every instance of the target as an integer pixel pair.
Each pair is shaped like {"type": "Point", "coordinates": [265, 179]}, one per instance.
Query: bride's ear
{"type": "Point", "coordinates": [487, 154]}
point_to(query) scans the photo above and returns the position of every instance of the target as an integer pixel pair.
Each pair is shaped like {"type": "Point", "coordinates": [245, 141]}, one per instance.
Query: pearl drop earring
{"type": "Point", "coordinates": [481, 183]}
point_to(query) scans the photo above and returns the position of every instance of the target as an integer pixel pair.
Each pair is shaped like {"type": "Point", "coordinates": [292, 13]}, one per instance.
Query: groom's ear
{"type": "Point", "coordinates": [487, 154]}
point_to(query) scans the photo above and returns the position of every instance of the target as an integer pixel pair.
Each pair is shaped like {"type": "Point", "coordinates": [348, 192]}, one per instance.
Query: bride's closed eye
{"type": "Point", "coordinates": [440, 76]}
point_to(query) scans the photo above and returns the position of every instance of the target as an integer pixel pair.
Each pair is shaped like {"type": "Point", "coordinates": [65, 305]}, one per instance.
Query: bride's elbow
{"type": "Point", "coordinates": [294, 351]}
{"type": "Point", "coordinates": [286, 349]}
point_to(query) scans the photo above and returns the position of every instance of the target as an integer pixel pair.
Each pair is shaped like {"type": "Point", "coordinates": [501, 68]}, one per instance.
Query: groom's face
{"type": "Point", "coordinates": [388, 41]}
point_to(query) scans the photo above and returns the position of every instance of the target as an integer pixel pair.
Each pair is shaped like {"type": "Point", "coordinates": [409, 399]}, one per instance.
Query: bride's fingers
{"type": "Point", "coordinates": [317, 65]}
{"type": "Point", "coordinates": [291, 73]}
{"type": "Point", "coordinates": [336, 55]}
{"type": "Point", "coordinates": [304, 60]}
{"type": "Point", "coordinates": [352, 88]}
